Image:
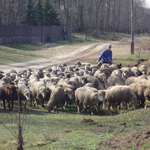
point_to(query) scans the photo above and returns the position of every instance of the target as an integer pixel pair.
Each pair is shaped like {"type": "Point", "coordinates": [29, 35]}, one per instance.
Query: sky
{"type": "Point", "coordinates": [148, 3]}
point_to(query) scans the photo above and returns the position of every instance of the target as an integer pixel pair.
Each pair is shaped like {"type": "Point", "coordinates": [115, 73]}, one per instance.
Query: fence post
{"type": "Point", "coordinates": [41, 34]}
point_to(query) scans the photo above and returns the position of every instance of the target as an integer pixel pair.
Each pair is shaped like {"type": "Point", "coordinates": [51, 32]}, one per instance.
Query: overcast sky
{"type": "Point", "coordinates": [148, 2]}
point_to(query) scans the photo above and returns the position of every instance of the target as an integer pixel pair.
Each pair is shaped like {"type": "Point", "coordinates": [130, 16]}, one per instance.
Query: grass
{"type": "Point", "coordinates": [65, 130]}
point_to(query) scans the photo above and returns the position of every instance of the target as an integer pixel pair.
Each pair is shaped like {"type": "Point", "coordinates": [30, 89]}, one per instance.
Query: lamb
{"type": "Point", "coordinates": [120, 93]}
{"type": "Point", "coordinates": [56, 99]}
{"type": "Point", "coordinates": [142, 92]}
{"type": "Point", "coordinates": [86, 96]}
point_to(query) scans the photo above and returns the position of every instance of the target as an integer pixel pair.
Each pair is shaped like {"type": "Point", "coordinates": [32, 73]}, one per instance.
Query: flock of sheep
{"type": "Point", "coordinates": [85, 85]}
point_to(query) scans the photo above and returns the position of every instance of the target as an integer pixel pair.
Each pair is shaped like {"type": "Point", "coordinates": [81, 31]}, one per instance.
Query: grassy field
{"type": "Point", "coordinates": [69, 130]}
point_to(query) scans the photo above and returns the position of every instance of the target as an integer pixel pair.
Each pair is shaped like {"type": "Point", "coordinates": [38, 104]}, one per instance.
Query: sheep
{"type": "Point", "coordinates": [76, 82]}
{"type": "Point", "coordinates": [56, 99]}
{"type": "Point", "coordinates": [143, 69]}
{"type": "Point", "coordinates": [69, 95]}
{"type": "Point", "coordinates": [117, 73]}
{"type": "Point", "coordinates": [33, 77]}
{"type": "Point", "coordinates": [126, 73]}
{"type": "Point", "coordinates": [86, 96]}
{"type": "Point", "coordinates": [1, 75]}
{"type": "Point", "coordinates": [39, 91]}
{"type": "Point", "coordinates": [134, 79]}
{"type": "Point", "coordinates": [114, 80]}
{"type": "Point", "coordinates": [6, 80]}
{"type": "Point", "coordinates": [102, 79]}
{"type": "Point", "coordinates": [9, 92]}
{"type": "Point", "coordinates": [120, 93]}
{"type": "Point", "coordinates": [136, 71]}
{"type": "Point", "coordinates": [24, 94]}
{"type": "Point", "coordinates": [142, 92]}
{"type": "Point", "coordinates": [89, 79]}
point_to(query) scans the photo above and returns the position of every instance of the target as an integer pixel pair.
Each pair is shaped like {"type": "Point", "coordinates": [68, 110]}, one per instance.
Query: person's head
{"type": "Point", "coordinates": [109, 47]}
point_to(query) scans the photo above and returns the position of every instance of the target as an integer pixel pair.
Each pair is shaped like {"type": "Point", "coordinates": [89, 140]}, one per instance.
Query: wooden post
{"type": "Point", "coordinates": [70, 20]}
{"type": "Point", "coordinates": [114, 20]}
{"type": "Point", "coordinates": [132, 27]}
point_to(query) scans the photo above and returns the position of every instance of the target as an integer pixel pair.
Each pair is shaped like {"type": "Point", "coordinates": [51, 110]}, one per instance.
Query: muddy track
{"type": "Point", "coordinates": [83, 54]}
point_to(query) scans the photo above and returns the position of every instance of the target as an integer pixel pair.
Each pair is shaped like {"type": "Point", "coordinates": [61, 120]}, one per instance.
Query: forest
{"type": "Point", "coordinates": [88, 16]}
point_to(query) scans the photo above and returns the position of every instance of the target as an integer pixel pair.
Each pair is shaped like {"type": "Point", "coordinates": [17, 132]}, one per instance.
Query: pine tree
{"type": "Point", "coordinates": [50, 15]}
{"type": "Point", "coordinates": [39, 10]}
{"type": "Point", "coordinates": [30, 14]}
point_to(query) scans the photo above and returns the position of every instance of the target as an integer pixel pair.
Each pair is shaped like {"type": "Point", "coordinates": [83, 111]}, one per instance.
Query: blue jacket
{"type": "Point", "coordinates": [107, 56]}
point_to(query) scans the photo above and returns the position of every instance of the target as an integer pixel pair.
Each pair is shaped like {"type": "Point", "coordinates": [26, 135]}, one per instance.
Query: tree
{"type": "Point", "coordinates": [39, 10]}
{"type": "Point", "coordinates": [50, 15]}
{"type": "Point", "coordinates": [30, 14]}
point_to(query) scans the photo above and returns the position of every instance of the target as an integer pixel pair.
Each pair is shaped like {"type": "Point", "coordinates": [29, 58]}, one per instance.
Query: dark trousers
{"type": "Point", "coordinates": [107, 62]}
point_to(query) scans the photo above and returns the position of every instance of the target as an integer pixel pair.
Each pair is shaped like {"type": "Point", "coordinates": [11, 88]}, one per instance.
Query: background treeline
{"type": "Point", "coordinates": [88, 16]}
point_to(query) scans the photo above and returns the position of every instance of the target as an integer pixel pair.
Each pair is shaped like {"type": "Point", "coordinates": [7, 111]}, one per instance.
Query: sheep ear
{"type": "Point", "coordinates": [95, 94]}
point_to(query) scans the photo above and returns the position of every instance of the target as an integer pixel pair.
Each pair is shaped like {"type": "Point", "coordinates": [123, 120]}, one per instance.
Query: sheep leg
{"type": "Point", "coordinates": [42, 102]}
{"type": "Point", "coordinates": [35, 103]}
{"type": "Point", "coordinates": [79, 107]}
{"type": "Point", "coordinates": [109, 109]}
{"type": "Point", "coordinates": [57, 109]}
{"type": "Point", "coordinates": [84, 108]}
{"type": "Point", "coordinates": [4, 104]}
{"type": "Point", "coordinates": [114, 107]}
{"type": "Point", "coordinates": [124, 106]}
{"type": "Point", "coordinates": [90, 110]}
{"type": "Point", "coordinates": [8, 101]}
{"type": "Point", "coordinates": [25, 104]}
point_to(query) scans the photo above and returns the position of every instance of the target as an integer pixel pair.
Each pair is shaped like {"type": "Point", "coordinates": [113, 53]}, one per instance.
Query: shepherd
{"type": "Point", "coordinates": [106, 55]}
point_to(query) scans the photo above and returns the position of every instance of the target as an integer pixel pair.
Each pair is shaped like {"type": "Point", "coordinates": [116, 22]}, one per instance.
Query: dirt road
{"type": "Point", "coordinates": [83, 54]}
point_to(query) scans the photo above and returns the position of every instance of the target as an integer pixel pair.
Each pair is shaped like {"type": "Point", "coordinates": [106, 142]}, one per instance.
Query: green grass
{"type": "Point", "coordinates": [66, 131]}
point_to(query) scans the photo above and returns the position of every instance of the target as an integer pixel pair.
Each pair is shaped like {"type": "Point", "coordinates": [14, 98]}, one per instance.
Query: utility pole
{"type": "Point", "coordinates": [132, 27]}
{"type": "Point", "coordinates": [70, 20]}
{"type": "Point", "coordinates": [114, 20]}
